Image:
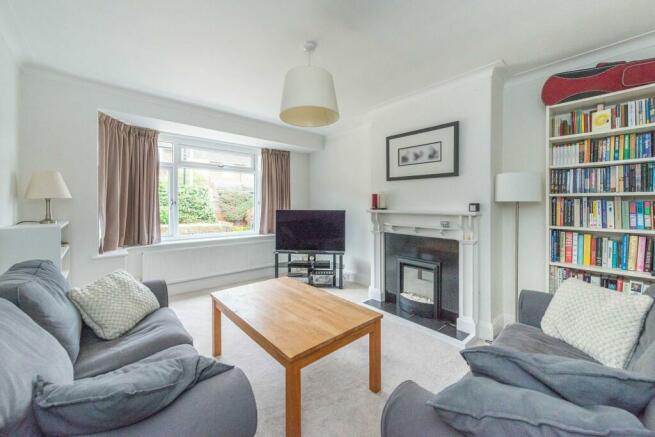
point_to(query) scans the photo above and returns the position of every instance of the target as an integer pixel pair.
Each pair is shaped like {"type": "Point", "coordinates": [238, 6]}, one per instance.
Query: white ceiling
{"type": "Point", "coordinates": [232, 54]}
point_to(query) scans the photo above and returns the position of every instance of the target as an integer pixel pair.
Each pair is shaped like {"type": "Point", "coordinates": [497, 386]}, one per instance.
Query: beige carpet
{"type": "Point", "coordinates": [336, 400]}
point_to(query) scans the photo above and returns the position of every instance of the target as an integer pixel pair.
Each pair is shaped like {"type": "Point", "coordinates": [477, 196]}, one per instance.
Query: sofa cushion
{"type": "Point", "coordinates": [600, 322]}
{"type": "Point", "coordinates": [119, 398]}
{"type": "Point", "coordinates": [526, 338]}
{"type": "Point", "coordinates": [158, 331]}
{"type": "Point", "coordinates": [582, 382]}
{"type": "Point", "coordinates": [483, 407]}
{"type": "Point", "coordinates": [40, 290]}
{"type": "Point", "coordinates": [25, 351]}
{"type": "Point", "coordinates": [114, 304]}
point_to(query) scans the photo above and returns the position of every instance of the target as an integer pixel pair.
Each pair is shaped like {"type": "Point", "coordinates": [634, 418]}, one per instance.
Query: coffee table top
{"type": "Point", "coordinates": [291, 320]}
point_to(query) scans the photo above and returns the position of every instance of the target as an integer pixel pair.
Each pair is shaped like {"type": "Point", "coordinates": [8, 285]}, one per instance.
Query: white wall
{"type": "Point", "coordinates": [8, 135]}
{"type": "Point", "coordinates": [299, 174]}
{"type": "Point", "coordinates": [340, 178]}
{"type": "Point", "coordinates": [524, 149]}
{"type": "Point", "coordinates": [58, 130]}
{"type": "Point", "coordinates": [353, 165]}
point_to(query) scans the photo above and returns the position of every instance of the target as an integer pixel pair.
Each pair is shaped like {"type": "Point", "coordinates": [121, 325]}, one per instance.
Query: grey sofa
{"type": "Point", "coordinates": [223, 405]}
{"type": "Point", "coordinates": [406, 413]}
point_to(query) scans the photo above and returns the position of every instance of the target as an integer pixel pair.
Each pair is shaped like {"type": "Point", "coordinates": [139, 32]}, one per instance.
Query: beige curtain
{"type": "Point", "coordinates": [276, 187]}
{"type": "Point", "coordinates": [128, 184]}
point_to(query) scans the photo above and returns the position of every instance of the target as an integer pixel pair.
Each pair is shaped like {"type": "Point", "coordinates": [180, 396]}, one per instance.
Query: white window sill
{"type": "Point", "coordinates": [189, 243]}
{"type": "Point", "coordinates": [118, 253]}
{"type": "Point", "coordinates": [206, 241]}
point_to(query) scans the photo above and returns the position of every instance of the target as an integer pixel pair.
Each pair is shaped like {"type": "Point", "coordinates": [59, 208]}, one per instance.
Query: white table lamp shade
{"type": "Point", "coordinates": [518, 187]}
{"type": "Point", "coordinates": [47, 185]}
{"type": "Point", "coordinates": [308, 98]}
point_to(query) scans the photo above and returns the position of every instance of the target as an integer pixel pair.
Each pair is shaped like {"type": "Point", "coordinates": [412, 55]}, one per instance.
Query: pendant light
{"type": "Point", "coordinates": [308, 98]}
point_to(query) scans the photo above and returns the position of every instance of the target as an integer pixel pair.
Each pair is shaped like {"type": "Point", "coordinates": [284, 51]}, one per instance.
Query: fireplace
{"type": "Point", "coordinates": [419, 286]}
{"type": "Point", "coordinates": [419, 290]}
{"type": "Point", "coordinates": [422, 276]}
{"type": "Point", "coordinates": [425, 269]}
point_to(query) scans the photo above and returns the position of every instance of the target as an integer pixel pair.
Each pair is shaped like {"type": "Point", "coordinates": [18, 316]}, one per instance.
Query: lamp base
{"type": "Point", "coordinates": [48, 214]}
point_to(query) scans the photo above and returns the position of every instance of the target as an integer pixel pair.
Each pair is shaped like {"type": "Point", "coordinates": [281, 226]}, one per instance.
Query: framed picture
{"type": "Point", "coordinates": [636, 287]}
{"type": "Point", "coordinates": [432, 152]}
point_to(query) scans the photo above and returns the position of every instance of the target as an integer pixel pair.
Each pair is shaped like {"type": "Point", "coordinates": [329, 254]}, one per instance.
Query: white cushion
{"type": "Point", "coordinates": [602, 323]}
{"type": "Point", "coordinates": [113, 304]}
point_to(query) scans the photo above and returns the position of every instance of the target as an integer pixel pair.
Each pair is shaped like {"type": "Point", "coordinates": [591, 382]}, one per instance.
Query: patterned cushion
{"type": "Point", "coordinates": [602, 323]}
{"type": "Point", "coordinates": [114, 304]}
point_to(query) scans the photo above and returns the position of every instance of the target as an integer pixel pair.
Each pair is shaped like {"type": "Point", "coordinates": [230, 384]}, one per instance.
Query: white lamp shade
{"type": "Point", "coordinates": [47, 185]}
{"type": "Point", "coordinates": [308, 98]}
{"type": "Point", "coordinates": [518, 187]}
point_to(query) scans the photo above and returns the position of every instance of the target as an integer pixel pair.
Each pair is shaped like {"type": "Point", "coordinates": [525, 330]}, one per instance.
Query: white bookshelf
{"type": "Point", "coordinates": [555, 140]}
{"type": "Point", "coordinates": [35, 241]}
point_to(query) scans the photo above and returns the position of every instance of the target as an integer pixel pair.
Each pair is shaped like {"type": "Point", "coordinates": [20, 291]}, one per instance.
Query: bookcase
{"type": "Point", "coordinates": [600, 212]}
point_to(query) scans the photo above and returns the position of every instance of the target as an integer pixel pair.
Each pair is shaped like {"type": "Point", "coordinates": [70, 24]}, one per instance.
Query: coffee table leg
{"type": "Point", "coordinates": [216, 324]}
{"type": "Point", "coordinates": [374, 358]}
{"type": "Point", "coordinates": [293, 400]}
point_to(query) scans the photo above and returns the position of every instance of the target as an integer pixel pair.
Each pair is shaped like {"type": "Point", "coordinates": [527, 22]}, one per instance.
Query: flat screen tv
{"type": "Point", "coordinates": [310, 230]}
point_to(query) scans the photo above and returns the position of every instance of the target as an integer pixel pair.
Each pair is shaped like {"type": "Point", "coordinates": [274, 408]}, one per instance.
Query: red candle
{"type": "Point", "coordinates": [374, 201]}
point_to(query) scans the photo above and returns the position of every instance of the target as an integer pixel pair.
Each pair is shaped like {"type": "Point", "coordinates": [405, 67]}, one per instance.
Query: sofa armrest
{"type": "Point", "coordinates": [532, 306]}
{"type": "Point", "coordinates": [406, 414]}
{"type": "Point", "coordinates": [160, 290]}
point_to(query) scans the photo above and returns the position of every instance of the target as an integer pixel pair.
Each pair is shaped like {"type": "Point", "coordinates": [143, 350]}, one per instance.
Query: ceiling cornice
{"type": "Point", "coordinates": [590, 57]}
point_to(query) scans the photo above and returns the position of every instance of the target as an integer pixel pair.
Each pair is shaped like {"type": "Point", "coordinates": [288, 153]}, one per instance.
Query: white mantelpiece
{"type": "Point", "coordinates": [462, 227]}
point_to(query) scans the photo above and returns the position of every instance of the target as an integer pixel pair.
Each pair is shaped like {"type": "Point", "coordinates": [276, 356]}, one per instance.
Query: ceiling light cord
{"type": "Point", "coordinates": [310, 46]}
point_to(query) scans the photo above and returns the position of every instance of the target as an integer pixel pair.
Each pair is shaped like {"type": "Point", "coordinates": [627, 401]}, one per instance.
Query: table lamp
{"type": "Point", "coordinates": [47, 185]}
{"type": "Point", "coordinates": [518, 187]}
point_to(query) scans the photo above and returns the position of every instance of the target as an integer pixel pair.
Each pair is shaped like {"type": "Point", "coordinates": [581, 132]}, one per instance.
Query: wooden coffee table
{"type": "Point", "coordinates": [297, 324]}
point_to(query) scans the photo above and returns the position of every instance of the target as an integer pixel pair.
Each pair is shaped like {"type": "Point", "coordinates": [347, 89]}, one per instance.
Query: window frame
{"type": "Point", "coordinates": [180, 141]}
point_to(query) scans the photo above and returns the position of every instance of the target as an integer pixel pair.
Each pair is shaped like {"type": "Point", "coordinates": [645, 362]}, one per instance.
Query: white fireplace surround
{"type": "Point", "coordinates": [461, 226]}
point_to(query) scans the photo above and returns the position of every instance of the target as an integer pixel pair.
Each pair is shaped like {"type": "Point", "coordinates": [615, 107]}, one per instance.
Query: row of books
{"type": "Point", "coordinates": [629, 252]}
{"type": "Point", "coordinates": [614, 179]}
{"type": "Point", "coordinates": [627, 114]}
{"type": "Point", "coordinates": [574, 122]}
{"type": "Point", "coordinates": [612, 282]}
{"type": "Point", "coordinates": [612, 148]}
{"type": "Point", "coordinates": [602, 213]}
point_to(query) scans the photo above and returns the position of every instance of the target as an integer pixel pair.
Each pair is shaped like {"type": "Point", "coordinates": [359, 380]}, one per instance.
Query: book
{"type": "Point", "coordinates": [587, 250]}
{"type": "Point", "coordinates": [632, 252]}
{"type": "Point", "coordinates": [648, 217]}
{"type": "Point", "coordinates": [624, 252]}
{"type": "Point", "coordinates": [610, 215]}
{"type": "Point", "coordinates": [641, 253]}
{"type": "Point", "coordinates": [568, 244]}
{"type": "Point", "coordinates": [640, 213]}
{"type": "Point", "coordinates": [633, 214]}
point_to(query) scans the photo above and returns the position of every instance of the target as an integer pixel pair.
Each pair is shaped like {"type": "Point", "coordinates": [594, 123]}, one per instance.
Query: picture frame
{"type": "Point", "coordinates": [432, 152]}
{"type": "Point", "coordinates": [636, 287]}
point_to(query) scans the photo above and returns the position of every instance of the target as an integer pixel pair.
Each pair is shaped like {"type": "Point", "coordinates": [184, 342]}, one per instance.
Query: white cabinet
{"type": "Point", "coordinates": [35, 241]}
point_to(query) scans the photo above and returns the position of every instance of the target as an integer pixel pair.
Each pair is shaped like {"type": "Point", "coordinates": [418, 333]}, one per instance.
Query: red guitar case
{"type": "Point", "coordinates": [601, 79]}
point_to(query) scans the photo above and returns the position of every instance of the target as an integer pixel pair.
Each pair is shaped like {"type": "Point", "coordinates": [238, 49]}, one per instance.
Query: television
{"type": "Point", "coordinates": [310, 230]}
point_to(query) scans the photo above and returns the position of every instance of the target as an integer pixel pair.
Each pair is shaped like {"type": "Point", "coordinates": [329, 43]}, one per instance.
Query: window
{"type": "Point", "coordinates": [206, 188]}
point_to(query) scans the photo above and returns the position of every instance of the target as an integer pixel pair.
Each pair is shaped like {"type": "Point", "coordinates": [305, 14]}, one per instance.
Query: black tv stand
{"type": "Point", "coordinates": [313, 266]}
